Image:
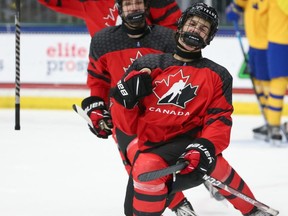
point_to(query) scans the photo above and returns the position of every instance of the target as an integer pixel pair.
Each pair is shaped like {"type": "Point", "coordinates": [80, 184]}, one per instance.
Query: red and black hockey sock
{"type": "Point", "coordinates": [225, 173]}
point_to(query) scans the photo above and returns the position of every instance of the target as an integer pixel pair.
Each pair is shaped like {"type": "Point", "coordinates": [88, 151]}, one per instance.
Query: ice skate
{"type": "Point", "coordinates": [259, 213]}
{"type": "Point", "coordinates": [275, 136]}
{"type": "Point", "coordinates": [284, 128]}
{"type": "Point", "coordinates": [184, 208]}
{"type": "Point", "coordinates": [213, 191]}
{"type": "Point", "coordinates": [261, 133]}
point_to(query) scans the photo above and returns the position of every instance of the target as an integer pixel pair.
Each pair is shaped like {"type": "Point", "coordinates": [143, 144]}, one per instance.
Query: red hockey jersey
{"type": "Point", "coordinates": [99, 14]}
{"type": "Point", "coordinates": [112, 52]}
{"type": "Point", "coordinates": [193, 98]}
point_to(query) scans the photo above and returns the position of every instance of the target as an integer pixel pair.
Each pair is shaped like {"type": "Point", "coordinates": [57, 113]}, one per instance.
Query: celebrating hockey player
{"type": "Point", "coordinates": [180, 107]}
{"type": "Point", "coordinates": [99, 14]}
{"type": "Point", "coordinates": [112, 51]}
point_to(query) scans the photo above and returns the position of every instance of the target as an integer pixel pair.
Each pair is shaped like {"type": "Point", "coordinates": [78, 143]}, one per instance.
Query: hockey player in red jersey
{"type": "Point", "coordinates": [99, 14]}
{"type": "Point", "coordinates": [112, 51]}
{"type": "Point", "coordinates": [180, 107]}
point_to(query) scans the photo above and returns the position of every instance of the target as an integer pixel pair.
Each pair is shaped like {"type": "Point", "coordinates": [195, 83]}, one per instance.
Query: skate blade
{"type": "Point", "coordinates": [261, 137]}
{"type": "Point", "coordinates": [279, 144]}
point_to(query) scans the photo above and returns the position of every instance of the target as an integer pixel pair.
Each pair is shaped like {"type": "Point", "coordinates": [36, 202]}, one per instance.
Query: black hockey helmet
{"type": "Point", "coordinates": [119, 5]}
{"type": "Point", "coordinates": [203, 11]}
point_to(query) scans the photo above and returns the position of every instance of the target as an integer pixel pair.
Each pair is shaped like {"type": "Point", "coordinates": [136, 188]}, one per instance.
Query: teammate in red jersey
{"type": "Point", "coordinates": [99, 14]}
{"type": "Point", "coordinates": [112, 51]}
{"type": "Point", "coordinates": [180, 107]}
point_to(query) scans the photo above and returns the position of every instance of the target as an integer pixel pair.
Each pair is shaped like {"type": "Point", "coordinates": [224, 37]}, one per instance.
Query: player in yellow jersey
{"type": "Point", "coordinates": [278, 66]}
{"type": "Point", "coordinates": [255, 14]}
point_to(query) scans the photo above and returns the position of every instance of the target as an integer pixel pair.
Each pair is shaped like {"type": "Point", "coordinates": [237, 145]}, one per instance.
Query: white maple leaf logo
{"type": "Point", "coordinates": [113, 15]}
{"type": "Point", "coordinates": [175, 90]}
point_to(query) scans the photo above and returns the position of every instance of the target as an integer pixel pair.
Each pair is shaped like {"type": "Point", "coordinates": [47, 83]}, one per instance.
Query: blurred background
{"type": "Point", "coordinates": [49, 167]}
{"type": "Point", "coordinates": [55, 49]}
{"type": "Point", "coordinates": [34, 13]}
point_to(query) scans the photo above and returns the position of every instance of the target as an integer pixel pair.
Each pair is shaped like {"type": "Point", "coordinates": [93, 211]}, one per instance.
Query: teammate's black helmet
{"type": "Point", "coordinates": [205, 12]}
{"type": "Point", "coordinates": [119, 5]}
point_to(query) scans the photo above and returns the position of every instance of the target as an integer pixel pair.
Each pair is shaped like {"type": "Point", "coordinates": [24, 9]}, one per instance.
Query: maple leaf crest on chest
{"type": "Point", "coordinates": [174, 89]}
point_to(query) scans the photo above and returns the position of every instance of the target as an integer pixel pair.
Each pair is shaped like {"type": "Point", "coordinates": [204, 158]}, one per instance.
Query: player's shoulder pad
{"type": "Point", "coordinates": [158, 29]}
{"type": "Point", "coordinates": [224, 75]}
{"type": "Point", "coordinates": [109, 39]}
{"type": "Point", "coordinates": [162, 37]}
{"type": "Point", "coordinates": [105, 33]}
{"type": "Point", "coordinates": [215, 67]}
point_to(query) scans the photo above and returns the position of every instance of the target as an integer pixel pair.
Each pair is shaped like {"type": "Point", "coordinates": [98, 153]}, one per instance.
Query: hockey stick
{"type": "Point", "coordinates": [238, 35]}
{"type": "Point", "coordinates": [148, 176]}
{"type": "Point", "coordinates": [17, 66]}
{"type": "Point", "coordinates": [83, 114]}
{"type": "Point", "coordinates": [218, 184]}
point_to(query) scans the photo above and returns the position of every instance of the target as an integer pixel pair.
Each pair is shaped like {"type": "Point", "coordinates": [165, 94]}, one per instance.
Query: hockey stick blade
{"type": "Point", "coordinates": [83, 114]}
{"type": "Point", "coordinates": [149, 176]}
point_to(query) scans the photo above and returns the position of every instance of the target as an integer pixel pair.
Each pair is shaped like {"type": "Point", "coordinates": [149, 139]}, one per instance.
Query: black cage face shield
{"type": "Point", "coordinates": [194, 33]}
{"type": "Point", "coordinates": [206, 13]}
{"type": "Point", "coordinates": [133, 12]}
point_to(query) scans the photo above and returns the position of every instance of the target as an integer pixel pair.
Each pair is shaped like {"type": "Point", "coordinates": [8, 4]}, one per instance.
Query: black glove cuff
{"type": "Point", "coordinates": [91, 103]}
{"type": "Point", "coordinates": [206, 149]}
{"type": "Point", "coordinates": [123, 100]}
{"type": "Point", "coordinates": [205, 143]}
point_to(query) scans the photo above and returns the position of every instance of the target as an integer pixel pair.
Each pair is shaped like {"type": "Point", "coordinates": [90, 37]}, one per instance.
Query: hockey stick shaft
{"type": "Point", "coordinates": [148, 176]}
{"type": "Point", "coordinates": [259, 205]}
{"type": "Point", "coordinates": [84, 115]}
{"type": "Point", "coordinates": [17, 66]}
{"type": "Point", "coordinates": [238, 34]}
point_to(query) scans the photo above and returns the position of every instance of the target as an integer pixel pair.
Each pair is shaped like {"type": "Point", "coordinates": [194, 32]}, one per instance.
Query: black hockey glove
{"type": "Point", "coordinates": [132, 88]}
{"type": "Point", "coordinates": [99, 115]}
{"type": "Point", "coordinates": [201, 158]}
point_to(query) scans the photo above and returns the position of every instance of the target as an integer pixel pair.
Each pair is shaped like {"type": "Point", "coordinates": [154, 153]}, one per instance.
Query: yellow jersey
{"type": "Point", "coordinates": [255, 21]}
{"type": "Point", "coordinates": [278, 22]}
{"type": "Point", "coordinates": [283, 4]}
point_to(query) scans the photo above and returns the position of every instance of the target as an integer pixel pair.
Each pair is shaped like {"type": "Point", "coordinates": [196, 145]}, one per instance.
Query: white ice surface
{"type": "Point", "coordinates": [54, 166]}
